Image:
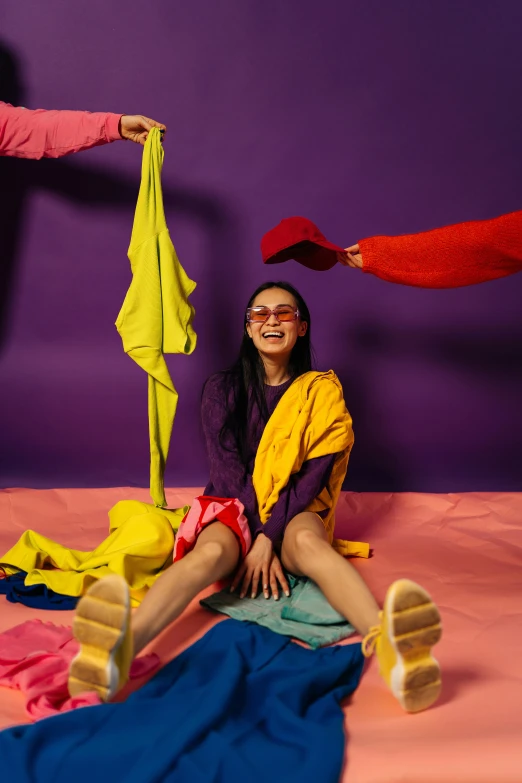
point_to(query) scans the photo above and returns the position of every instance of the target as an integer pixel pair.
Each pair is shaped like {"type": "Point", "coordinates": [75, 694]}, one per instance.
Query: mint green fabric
{"type": "Point", "coordinates": [304, 615]}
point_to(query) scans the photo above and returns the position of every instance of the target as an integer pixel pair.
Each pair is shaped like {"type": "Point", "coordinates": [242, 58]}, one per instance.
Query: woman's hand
{"type": "Point", "coordinates": [351, 257]}
{"type": "Point", "coordinates": [136, 127]}
{"type": "Point", "coordinates": [255, 566]}
{"type": "Point", "coordinates": [277, 575]}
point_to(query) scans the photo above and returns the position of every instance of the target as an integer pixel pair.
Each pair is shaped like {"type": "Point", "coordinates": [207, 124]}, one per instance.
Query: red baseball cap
{"type": "Point", "coordinates": [299, 238]}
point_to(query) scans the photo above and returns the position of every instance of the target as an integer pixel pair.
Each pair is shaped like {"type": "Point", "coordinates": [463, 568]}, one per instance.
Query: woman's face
{"type": "Point", "coordinates": [275, 338]}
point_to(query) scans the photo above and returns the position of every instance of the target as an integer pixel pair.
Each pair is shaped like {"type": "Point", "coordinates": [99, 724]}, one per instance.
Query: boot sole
{"type": "Point", "coordinates": [100, 624]}
{"type": "Point", "coordinates": [414, 627]}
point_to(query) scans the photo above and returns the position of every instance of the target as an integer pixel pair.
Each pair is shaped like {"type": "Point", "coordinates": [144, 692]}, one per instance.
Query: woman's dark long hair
{"type": "Point", "coordinates": [245, 380]}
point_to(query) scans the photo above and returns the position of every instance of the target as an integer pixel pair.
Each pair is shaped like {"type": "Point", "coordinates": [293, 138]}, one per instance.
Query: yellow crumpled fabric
{"type": "Point", "coordinates": [156, 316]}
{"type": "Point", "coordinates": [139, 546]}
{"type": "Point", "coordinates": [310, 420]}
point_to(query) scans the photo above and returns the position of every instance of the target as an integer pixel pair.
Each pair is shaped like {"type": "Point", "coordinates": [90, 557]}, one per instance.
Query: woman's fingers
{"type": "Point", "coordinates": [246, 582]}
{"type": "Point", "coordinates": [265, 576]}
{"type": "Point", "coordinates": [255, 581]}
{"type": "Point", "coordinates": [136, 127]}
{"type": "Point", "coordinates": [283, 581]}
{"type": "Point", "coordinates": [354, 261]}
{"type": "Point", "coordinates": [154, 124]}
{"type": "Point", "coordinates": [277, 575]}
{"type": "Point", "coordinates": [273, 584]}
{"type": "Point", "coordinates": [353, 257]}
{"type": "Point", "coordinates": [238, 577]}
{"type": "Point", "coordinates": [252, 572]}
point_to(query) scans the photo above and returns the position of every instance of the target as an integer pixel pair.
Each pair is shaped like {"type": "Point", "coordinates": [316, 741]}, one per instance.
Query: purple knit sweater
{"type": "Point", "coordinates": [230, 478]}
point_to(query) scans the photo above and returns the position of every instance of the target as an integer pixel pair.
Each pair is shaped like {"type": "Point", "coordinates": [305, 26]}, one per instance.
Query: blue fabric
{"type": "Point", "coordinates": [242, 704]}
{"type": "Point", "coordinates": [35, 596]}
{"type": "Point", "coordinates": [304, 615]}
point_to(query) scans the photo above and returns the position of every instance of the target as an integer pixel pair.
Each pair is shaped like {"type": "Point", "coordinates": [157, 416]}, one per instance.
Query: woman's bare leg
{"type": "Point", "coordinates": [406, 629]}
{"type": "Point", "coordinates": [109, 638]}
{"type": "Point", "coordinates": [306, 552]}
{"type": "Point", "coordinates": [213, 558]}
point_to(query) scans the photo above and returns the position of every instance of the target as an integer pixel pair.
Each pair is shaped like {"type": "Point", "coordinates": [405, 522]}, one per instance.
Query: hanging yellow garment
{"type": "Point", "coordinates": [309, 421]}
{"type": "Point", "coordinates": [156, 316]}
{"type": "Point", "coordinates": [139, 547]}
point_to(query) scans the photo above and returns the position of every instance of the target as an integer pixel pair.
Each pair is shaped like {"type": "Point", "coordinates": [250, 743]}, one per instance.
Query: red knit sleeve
{"type": "Point", "coordinates": [448, 257]}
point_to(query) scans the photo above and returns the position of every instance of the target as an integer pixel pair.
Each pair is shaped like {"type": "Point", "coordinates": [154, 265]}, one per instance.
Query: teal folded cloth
{"type": "Point", "coordinates": [304, 615]}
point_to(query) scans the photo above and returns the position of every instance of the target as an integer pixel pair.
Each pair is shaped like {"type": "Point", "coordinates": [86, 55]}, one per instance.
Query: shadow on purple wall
{"type": "Point", "coordinates": [13, 197]}
{"type": "Point", "coordinates": [101, 187]}
{"type": "Point", "coordinates": [476, 359]}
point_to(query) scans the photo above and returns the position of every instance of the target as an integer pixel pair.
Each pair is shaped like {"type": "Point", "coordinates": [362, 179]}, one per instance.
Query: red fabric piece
{"type": "Point", "coordinates": [35, 658]}
{"type": "Point", "coordinates": [204, 511]}
{"type": "Point", "coordinates": [449, 257]}
{"type": "Point", "coordinates": [26, 133]}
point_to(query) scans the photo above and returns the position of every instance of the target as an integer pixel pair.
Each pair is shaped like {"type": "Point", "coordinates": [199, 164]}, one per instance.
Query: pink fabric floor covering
{"type": "Point", "coordinates": [465, 549]}
{"type": "Point", "coordinates": [35, 657]}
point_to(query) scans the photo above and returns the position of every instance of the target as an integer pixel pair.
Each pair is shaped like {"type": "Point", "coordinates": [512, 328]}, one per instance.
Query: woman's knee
{"type": "Point", "coordinates": [305, 541]}
{"type": "Point", "coordinates": [220, 548]}
{"type": "Point", "coordinates": [304, 537]}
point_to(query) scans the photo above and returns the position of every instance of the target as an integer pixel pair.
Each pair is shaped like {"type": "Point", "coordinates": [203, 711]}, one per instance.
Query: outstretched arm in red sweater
{"type": "Point", "coordinates": [458, 255]}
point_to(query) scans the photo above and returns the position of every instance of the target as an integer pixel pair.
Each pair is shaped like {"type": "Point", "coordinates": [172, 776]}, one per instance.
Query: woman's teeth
{"type": "Point", "coordinates": [273, 334]}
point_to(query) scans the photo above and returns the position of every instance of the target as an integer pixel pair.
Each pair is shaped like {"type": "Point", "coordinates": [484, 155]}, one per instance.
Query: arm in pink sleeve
{"type": "Point", "coordinates": [458, 255]}
{"type": "Point", "coordinates": [26, 133]}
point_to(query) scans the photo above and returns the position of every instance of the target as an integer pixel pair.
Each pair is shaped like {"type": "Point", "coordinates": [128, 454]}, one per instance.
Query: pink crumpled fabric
{"type": "Point", "coordinates": [35, 658]}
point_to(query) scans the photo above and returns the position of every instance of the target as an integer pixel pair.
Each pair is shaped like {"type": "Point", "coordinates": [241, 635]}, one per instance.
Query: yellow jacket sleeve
{"type": "Point", "coordinates": [310, 420]}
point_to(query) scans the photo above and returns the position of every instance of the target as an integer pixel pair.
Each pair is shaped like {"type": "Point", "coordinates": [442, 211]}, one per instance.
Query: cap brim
{"type": "Point", "coordinates": [313, 255]}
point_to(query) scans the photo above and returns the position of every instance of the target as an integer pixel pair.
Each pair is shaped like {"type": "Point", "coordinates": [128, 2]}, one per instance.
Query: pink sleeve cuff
{"type": "Point", "coordinates": [112, 127]}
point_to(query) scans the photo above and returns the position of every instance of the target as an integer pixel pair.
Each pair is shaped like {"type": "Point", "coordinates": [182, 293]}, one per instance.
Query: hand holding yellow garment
{"type": "Point", "coordinates": [156, 316]}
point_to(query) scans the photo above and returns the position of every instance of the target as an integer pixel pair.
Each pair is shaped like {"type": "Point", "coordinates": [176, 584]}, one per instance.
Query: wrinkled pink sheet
{"type": "Point", "coordinates": [35, 657]}
{"type": "Point", "coordinates": [467, 551]}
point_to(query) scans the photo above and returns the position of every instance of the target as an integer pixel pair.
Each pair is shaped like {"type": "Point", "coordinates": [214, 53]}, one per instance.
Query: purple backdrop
{"type": "Point", "coordinates": [368, 117]}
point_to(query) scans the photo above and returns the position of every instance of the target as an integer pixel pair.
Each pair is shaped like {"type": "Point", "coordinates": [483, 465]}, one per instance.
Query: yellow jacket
{"type": "Point", "coordinates": [156, 316]}
{"type": "Point", "coordinates": [310, 420]}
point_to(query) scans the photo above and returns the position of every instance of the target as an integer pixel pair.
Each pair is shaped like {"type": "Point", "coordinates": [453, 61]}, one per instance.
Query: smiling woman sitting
{"type": "Point", "coordinates": [278, 438]}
